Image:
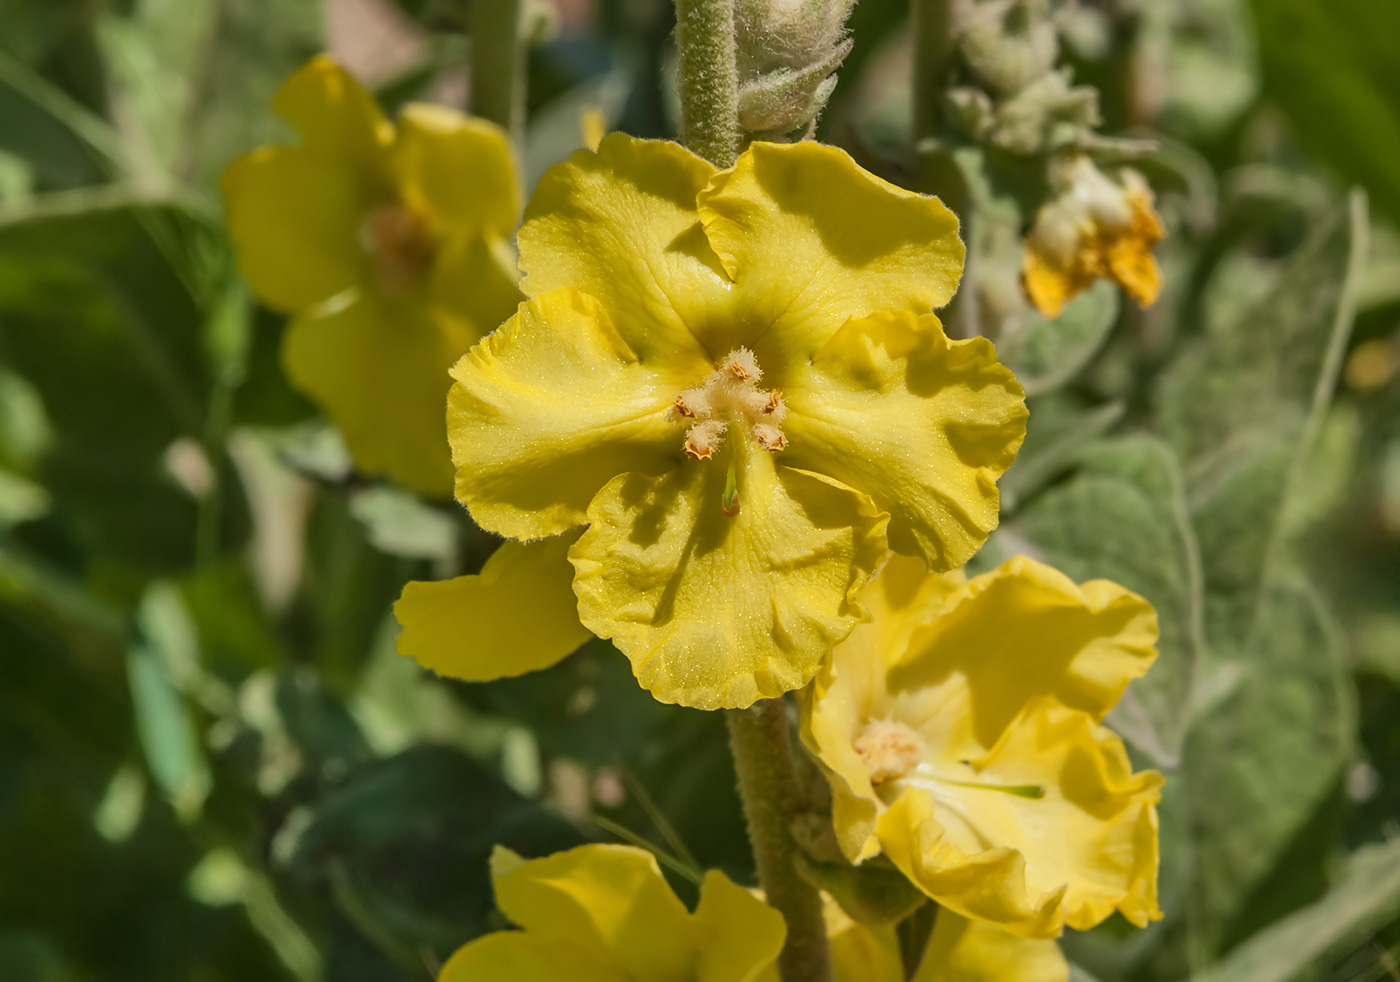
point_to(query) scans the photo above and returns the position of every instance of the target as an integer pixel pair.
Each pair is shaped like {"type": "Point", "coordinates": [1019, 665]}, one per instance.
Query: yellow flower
{"type": "Point", "coordinates": [960, 734]}
{"type": "Point", "coordinates": [1093, 228]}
{"type": "Point", "coordinates": [732, 378]}
{"type": "Point", "coordinates": [958, 950]}
{"type": "Point", "coordinates": [603, 913]}
{"type": "Point", "coordinates": [388, 244]}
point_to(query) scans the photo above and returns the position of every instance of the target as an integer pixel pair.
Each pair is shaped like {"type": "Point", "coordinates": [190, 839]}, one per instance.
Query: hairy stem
{"type": "Point", "coordinates": [935, 26]}
{"type": "Point", "coordinates": [709, 79]}
{"type": "Point", "coordinates": [498, 64]}
{"type": "Point", "coordinates": [762, 748]}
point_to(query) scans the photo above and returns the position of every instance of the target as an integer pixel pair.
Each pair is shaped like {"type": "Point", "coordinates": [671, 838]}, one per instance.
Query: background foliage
{"type": "Point", "coordinates": [213, 765]}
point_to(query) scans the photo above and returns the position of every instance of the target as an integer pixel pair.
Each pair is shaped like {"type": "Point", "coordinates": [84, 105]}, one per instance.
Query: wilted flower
{"type": "Point", "coordinates": [960, 733]}
{"type": "Point", "coordinates": [603, 912]}
{"type": "Point", "coordinates": [388, 244]}
{"type": "Point", "coordinates": [733, 379]}
{"type": "Point", "coordinates": [1092, 228]}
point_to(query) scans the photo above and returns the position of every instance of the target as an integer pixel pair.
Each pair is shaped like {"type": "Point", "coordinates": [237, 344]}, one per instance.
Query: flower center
{"type": "Point", "coordinates": [890, 750]}
{"type": "Point", "coordinates": [730, 396]}
{"type": "Point", "coordinates": [402, 246]}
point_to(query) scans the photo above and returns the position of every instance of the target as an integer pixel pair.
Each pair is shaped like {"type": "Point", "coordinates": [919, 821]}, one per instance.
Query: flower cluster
{"type": "Point", "coordinates": [725, 430]}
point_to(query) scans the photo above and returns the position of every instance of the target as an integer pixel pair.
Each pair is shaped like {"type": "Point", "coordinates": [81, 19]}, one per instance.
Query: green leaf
{"type": "Point", "coordinates": [1245, 405]}
{"type": "Point", "coordinates": [167, 732]}
{"type": "Point", "coordinates": [1331, 67]}
{"type": "Point", "coordinates": [1265, 759]}
{"type": "Point", "coordinates": [1122, 516]}
{"type": "Point", "coordinates": [1045, 354]}
{"type": "Point", "coordinates": [1365, 897]}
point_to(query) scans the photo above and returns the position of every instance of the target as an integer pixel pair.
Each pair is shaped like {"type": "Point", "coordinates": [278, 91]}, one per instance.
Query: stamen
{"type": "Point", "coordinates": [727, 395]}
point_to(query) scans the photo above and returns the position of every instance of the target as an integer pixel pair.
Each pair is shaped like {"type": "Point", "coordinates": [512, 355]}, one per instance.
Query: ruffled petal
{"type": "Point", "coordinates": [517, 615]}
{"type": "Point", "coordinates": [379, 367]}
{"type": "Point", "coordinates": [609, 901]}
{"type": "Point", "coordinates": [716, 611]}
{"type": "Point", "coordinates": [737, 935]}
{"type": "Point", "coordinates": [547, 410]}
{"type": "Point", "coordinates": [337, 117]}
{"type": "Point", "coordinates": [294, 217]}
{"type": "Point", "coordinates": [962, 950]}
{"type": "Point", "coordinates": [922, 424]}
{"type": "Point", "coordinates": [456, 170]}
{"type": "Point", "coordinates": [810, 239]}
{"type": "Point", "coordinates": [514, 956]}
{"type": "Point", "coordinates": [1083, 849]}
{"type": "Point", "coordinates": [1020, 632]}
{"type": "Point", "coordinates": [621, 225]}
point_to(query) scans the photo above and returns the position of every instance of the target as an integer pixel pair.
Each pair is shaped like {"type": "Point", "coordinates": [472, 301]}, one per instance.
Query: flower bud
{"type": "Point", "coordinates": [1009, 44]}
{"type": "Point", "coordinates": [788, 51]}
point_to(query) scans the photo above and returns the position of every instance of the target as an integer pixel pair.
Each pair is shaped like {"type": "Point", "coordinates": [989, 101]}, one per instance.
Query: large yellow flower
{"type": "Point", "coordinates": [389, 244]}
{"type": "Point", "coordinates": [1091, 228]}
{"type": "Point", "coordinates": [602, 913]}
{"type": "Point", "coordinates": [733, 378]}
{"type": "Point", "coordinates": [960, 734]}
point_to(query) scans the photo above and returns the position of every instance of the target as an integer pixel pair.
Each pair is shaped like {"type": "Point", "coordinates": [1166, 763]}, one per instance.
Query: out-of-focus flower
{"type": "Point", "coordinates": [733, 380]}
{"type": "Point", "coordinates": [960, 734]}
{"type": "Point", "coordinates": [1093, 227]}
{"type": "Point", "coordinates": [389, 245]}
{"type": "Point", "coordinates": [603, 913]}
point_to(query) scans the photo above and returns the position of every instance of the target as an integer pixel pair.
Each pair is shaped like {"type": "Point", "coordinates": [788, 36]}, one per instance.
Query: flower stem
{"type": "Point", "coordinates": [498, 64]}
{"type": "Point", "coordinates": [709, 79]}
{"type": "Point", "coordinates": [935, 27]}
{"type": "Point", "coordinates": [762, 749]}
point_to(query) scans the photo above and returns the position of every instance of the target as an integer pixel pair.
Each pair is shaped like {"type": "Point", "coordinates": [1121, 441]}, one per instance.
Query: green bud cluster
{"type": "Point", "coordinates": [788, 52]}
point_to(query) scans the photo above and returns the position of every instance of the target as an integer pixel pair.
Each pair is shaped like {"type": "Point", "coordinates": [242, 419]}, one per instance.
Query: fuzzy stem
{"type": "Point", "coordinates": [709, 79]}
{"type": "Point", "coordinates": [935, 27]}
{"type": "Point", "coordinates": [762, 749]}
{"type": "Point", "coordinates": [498, 64]}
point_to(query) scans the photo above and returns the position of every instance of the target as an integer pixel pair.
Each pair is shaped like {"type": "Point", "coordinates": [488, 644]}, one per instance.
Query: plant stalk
{"type": "Point", "coordinates": [762, 749]}
{"type": "Point", "coordinates": [709, 79]}
{"type": "Point", "coordinates": [498, 64]}
{"type": "Point", "coordinates": [935, 24]}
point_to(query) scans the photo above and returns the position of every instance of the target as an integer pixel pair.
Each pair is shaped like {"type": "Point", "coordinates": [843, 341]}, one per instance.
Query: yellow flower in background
{"type": "Point", "coordinates": [1092, 228]}
{"type": "Point", "coordinates": [960, 734]}
{"type": "Point", "coordinates": [732, 378]}
{"type": "Point", "coordinates": [389, 246]}
{"type": "Point", "coordinates": [958, 950]}
{"type": "Point", "coordinates": [604, 913]}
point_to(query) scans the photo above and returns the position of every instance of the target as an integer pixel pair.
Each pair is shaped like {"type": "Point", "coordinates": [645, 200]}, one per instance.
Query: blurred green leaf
{"type": "Point", "coordinates": [1245, 404]}
{"type": "Point", "coordinates": [1059, 427]}
{"type": "Point", "coordinates": [411, 836]}
{"type": "Point", "coordinates": [1264, 760]}
{"type": "Point", "coordinates": [1122, 516]}
{"type": "Point", "coordinates": [1365, 896]}
{"type": "Point", "coordinates": [1045, 354]}
{"type": "Point", "coordinates": [1331, 66]}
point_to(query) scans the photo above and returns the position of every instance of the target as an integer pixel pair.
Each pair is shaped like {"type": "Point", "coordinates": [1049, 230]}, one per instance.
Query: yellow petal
{"type": "Point", "coordinates": [716, 611]}
{"type": "Point", "coordinates": [961, 950]}
{"type": "Point", "coordinates": [518, 615]}
{"type": "Point", "coordinates": [379, 369]}
{"type": "Point", "coordinates": [609, 901]}
{"type": "Point", "coordinates": [1086, 847]}
{"type": "Point", "coordinates": [1023, 631]}
{"type": "Point", "coordinates": [810, 239]}
{"type": "Point", "coordinates": [294, 217]}
{"type": "Point", "coordinates": [337, 117]}
{"type": "Point", "coordinates": [736, 935]}
{"type": "Point", "coordinates": [1129, 255]}
{"type": "Point", "coordinates": [457, 170]}
{"type": "Point", "coordinates": [621, 225]}
{"type": "Point", "coordinates": [474, 282]}
{"type": "Point", "coordinates": [547, 410]}
{"type": "Point", "coordinates": [514, 956]}
{"type": "Point", "coordinates": [861, 952]}
{"type": "Point", "coordinates": [923, 425]}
